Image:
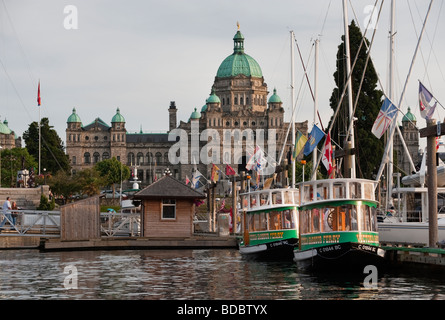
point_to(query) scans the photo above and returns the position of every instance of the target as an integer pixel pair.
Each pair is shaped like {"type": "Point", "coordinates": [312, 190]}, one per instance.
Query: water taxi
{"type": "Point", "coordinates": [338, 225]}
{"type": "Point", "coordinates": [270, 223]}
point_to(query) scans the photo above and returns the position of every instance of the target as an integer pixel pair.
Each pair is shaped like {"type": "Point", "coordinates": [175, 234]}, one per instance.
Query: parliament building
{"type": "Point", "coordinates": [237, 109]}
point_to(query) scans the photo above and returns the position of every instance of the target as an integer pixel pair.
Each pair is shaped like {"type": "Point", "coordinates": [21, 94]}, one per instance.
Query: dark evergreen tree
{"type": "Point", "coordinates": [368, 148]}
{"type": "Point", "coordinates": [53, 156]}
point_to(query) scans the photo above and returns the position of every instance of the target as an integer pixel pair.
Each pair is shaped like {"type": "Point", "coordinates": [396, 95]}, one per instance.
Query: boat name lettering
{"type": "Point", "coordinates": [367, 247]}
{"type": "Point", "coordinates": [368, 238]}
{"type": "Point", "coordinates": [330, 248]}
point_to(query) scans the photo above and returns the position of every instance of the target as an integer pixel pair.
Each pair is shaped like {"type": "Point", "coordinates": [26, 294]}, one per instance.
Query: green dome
{"type": "Point", "coordinates": [73, 117]}
{"type": "Point", "coordinates": [239, 62]}
{"type": "Point", "coordinates": [213, 98]}
{"type": "Point", "coordinates": [4, 129]}
{"type": "Point", "coordinates": [195, 115]}
{"type": "Point", "coordinates": [274, 98]}
{"type": "Point", "coordinates": [204, 108]}
{"type": "Point", "coordinates": [409, 117]}
{"type": "Point", "coordinates": [118, 117]}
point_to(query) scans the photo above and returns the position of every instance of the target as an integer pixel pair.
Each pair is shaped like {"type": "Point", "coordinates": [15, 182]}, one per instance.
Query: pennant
{"type": "Point", "coordinates": [314, 138]}
{"type": "Point", "coordinates": [39, 101]}
{"type": "Point", "coordinates": [195, 179]}
{"type": "Point", "coordinates": [327, 156]}
{"type": "Point", "coordinates": [268, 182]}
{"type": "Point", "coordinates": [386, 115]}
{"type": "Point", "coordinates": [300, 141]}
{"type": "Point", "coordinates": [230, 171]}
{"type": "Point", "coordinates": [425, 98]}
{"type": "Point", "coordinates": [215, 173]}
{"type": "Point", "coordinates": [187, 180]}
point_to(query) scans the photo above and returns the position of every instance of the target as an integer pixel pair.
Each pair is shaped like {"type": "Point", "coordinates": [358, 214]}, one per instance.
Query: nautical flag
{"type": "Point", "coordinates": [300, 141]}
{"type": "Point", "coordinates": [230, 171]}
{"type": "Point", "coordinates": [215, 173]}
{"type": "Point", "coordinates": [314, 138]}
{"type": "Point", "coordinates": [39, 101]}
{"type": "Point", "coordinates": [195, 179]}
{"type": "Point", "coordinates": [187, 180]}
{"type": "Point", "coordinates": [386, 115]}
{"type": "Point", "coordinates": [268, 182]}
{"type": "Point", "coordinates": [327, 156]}
{"type": "Point", "coordinates": [257, 160]}
{"type": "Point", "coordinates": [425, 97]}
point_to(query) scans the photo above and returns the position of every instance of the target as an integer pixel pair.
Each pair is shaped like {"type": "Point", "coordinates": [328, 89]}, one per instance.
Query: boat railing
{"type": "Point", "coordinates": [336, 189]}
{"type": "Point", "coordinates": [269, 199]}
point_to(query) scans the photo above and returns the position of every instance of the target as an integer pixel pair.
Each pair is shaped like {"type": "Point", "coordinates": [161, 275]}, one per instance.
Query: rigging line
{"type": "Point", "coordinates": [334, 117]}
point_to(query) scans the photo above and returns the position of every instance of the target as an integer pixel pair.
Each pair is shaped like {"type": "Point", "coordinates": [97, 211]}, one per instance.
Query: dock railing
{"type": "Point", "coordinates": [114, 224]}
{"type": "Point", "coordinates": [31, 222]}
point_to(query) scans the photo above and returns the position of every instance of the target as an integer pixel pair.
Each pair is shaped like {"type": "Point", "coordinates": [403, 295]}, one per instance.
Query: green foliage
{"type": "Point", "coordinates": [45, 204]}
{"type": "Point", "coordinates": [63, 185]}
{"type": "Point", "coordinates": [11, 162]}
{"type": "Point", "coordinates": [113, 171]}
{"type": "Point", "coordinates": [53, 156]}
{"type": "Point", "coordinates": [90, 181]}
{"type": "Point", "coordinates": [369, 149]}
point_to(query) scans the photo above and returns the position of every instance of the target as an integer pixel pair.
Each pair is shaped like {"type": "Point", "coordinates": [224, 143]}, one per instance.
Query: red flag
{"type": "Point", "coordinates": [327, 156]}
{"type": "Point", "coordinates": [38, 95]}
{"type": "Point", "coordinates": [229, 171]}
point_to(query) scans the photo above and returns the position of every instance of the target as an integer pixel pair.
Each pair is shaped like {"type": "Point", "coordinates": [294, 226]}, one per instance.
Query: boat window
{"type": "Point", "coordinates": [339, 191]}
{"type": "Point", "coordinates": [264, 199]}
{"type": "Point", "coordinates": [253, 201]}
{"type": "Point", "coordinates": [315, 220]}
{"type": "Point", "coordinates": [277, 198]}
{"type": "Point", "coordinates": [355, 190]}
{"type": "Point", "coordinates": [322, 192]}
{"type": "Point", "coordinates": [275, 220]}
{"type": "Point", "coordinates": [369, 190]}
{"type": "Point", "coordinates": [288, 197]}
{"type": "Point", "coordinates": [307, 193]}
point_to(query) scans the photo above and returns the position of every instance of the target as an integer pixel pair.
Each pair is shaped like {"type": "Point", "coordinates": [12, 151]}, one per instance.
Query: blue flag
{"type": "Point", "coordinates": [314, 138]}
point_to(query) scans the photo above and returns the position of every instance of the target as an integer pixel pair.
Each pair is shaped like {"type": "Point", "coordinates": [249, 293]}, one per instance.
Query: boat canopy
{"type": "Point", "coordinates": [270, 199]}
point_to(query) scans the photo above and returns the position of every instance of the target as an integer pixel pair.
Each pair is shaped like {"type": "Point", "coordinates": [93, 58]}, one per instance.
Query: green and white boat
{"type": "Point", "coordinates": [338, 225]}
{"type": "Point", "coordinates": [270, 224]}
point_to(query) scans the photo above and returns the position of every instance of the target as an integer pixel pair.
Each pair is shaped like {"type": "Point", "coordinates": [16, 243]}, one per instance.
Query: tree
{"type": "Point", "coordinates": [11, 162]}
{"type": "Point", "coordinates": [90, 181]}
{"type": "Point", "coordinates": [369, 149]}
{"type": "Point", "coordinates": [52, 151]}
{"type": "Point", "coordinates": [63, 185]}
{"type": "Point", "coordinates": [113, 171]}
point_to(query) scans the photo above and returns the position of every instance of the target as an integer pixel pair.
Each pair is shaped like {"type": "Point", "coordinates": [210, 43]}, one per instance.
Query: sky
{"type": "Point", "coordinates": [138, 55]}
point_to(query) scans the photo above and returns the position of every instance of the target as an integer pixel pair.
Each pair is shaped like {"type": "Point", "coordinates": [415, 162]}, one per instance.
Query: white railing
{"type": "Point", "coordinates": [31, 222]}
{"type": "Point", "coordinates": [114, 224]}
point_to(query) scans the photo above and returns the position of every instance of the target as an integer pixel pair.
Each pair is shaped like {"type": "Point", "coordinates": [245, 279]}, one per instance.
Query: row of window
{"type": "Point", "coordinates": [115, 137]}
{"type": "Point", "coordinates": [257, 100]}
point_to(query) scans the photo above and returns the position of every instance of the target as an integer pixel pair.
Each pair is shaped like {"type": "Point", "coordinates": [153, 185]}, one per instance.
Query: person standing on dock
{"type": "Point", "coordinates": [8, 216]}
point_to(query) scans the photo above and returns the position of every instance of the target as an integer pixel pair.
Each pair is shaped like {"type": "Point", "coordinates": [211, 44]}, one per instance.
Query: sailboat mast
{"type": "Point", "coordinates": [292, 103]}
{"type": "Point", "coordinates": [390, 142]}
{"type": "Point", "coordinates": [314, 153]}
{"type": "Point", "coordinates": [349, 85]}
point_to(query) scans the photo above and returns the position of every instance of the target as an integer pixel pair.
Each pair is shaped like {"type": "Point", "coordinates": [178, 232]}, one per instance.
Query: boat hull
{"type": "Point", "coordinates": [343, 257]}
{"type": "Point", "coordinates": [276, 250]}
{"type": "Point", "coordinates": [408, 232]}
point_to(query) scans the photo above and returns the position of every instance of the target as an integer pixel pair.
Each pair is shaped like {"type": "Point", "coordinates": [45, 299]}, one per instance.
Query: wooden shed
{"type": "Point", "coordinates": [168, 207]}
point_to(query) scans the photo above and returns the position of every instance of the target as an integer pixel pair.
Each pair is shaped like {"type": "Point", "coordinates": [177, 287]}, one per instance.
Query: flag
{"type": "Point", "coordinates": [187, 180]}
{"type": "Point", "coordinates": [230, 171]}
{"type": "Point", "coordinates": [223, 204]}
{"type": "Point", "coordinates": [268, 182]}
{"type": "Point", "coordinates": [425, 98]}
{"type": "Point", "coordinates": [215, 173]}
{"type": "Point", "coordinates": [386, 115]}
{"type": "Point", "coordinates": [314, 138]}
{"type": "Point", "coordinates": [327, 156]}
{"type": "Point", "coordinates": [257, 160]}
{"type": "Point", "coordinates": [300, 141]}
{"type": "Point", "coordinates": [39, 101]}
{"type": "Point", "coordinates": [195, 179]}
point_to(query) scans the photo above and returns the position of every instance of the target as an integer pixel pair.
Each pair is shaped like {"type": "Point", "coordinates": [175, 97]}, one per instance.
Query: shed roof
{"type": "Point", "coordinates": [168, 187]}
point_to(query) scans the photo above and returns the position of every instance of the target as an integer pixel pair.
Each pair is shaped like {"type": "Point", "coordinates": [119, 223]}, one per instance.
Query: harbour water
{"type": "Point", "coordinates": [190, 275]}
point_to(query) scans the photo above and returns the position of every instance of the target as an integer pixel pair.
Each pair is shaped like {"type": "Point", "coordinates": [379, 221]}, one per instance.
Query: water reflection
{"type": "Point", "coordinates": [188, 274]}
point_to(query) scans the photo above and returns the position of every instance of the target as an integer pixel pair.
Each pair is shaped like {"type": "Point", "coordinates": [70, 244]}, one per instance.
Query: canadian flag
{"type": "Point", "coordinates": [327, 156]}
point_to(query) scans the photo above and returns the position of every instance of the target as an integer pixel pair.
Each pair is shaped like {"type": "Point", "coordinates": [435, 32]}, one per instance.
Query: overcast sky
{"type": "Point", "coordinates": [139, 55]}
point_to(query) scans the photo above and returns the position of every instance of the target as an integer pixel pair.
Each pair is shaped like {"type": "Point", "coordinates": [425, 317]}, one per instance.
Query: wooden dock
{"type": "Point", "coordinates": [411, 254]}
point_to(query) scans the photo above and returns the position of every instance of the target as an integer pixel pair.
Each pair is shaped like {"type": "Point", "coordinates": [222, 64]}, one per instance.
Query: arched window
{"type": "Point", "coordinates": [140, 158]}
{"type": "Point", "coordinates": [96, 157]}
{"type": "Point", "coordinates": [87, 157]}
{"type": "Point", "coordinates": [130, 158]}
{"type": "Point", "coordinates": [158, 156]}
{"type": "Point", "coordinates": [105, 156]}
{"type": "Point", "coordinates": [149, 157]}
{"type": "Point", "coordinates": [166, 158]}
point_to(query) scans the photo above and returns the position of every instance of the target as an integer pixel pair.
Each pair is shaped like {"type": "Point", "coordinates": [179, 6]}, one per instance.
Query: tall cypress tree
{"type": "Point", "coordinates": [53, 156]}
{"type": "Point", "coordinates": [368, 149]}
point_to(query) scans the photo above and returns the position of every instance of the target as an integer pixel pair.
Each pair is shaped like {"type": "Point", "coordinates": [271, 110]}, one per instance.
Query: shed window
{"type": "Point", "coordinates": [168, 209]}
